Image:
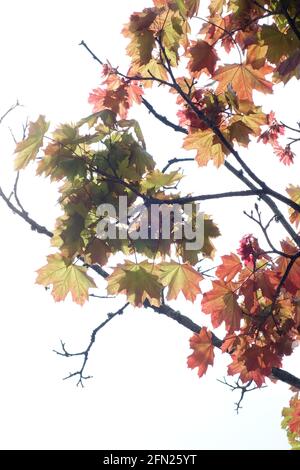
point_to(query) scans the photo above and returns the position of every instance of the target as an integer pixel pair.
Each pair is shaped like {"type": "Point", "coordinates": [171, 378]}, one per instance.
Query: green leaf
{"type": "Point", "coordinates": [156, 180]}
{"type": "Point", "coordinates": [138, 281]}
{"type": "Point", "coordinates": [136, 127]}
{"type": "Point", "coordinates": [65, 278]}
{"type": "Point", "coordinates": [107, 116]}
{"type": "Point", "coordinates": [28, 149]}
{"type": "Point", "coordinates": [180, 278]}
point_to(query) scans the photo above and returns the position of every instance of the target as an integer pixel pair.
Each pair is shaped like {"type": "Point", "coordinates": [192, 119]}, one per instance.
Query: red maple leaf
{"type": "Point", "coordinates": [203, 354]}
{"type": "Point", "coordinates": [118, 96]}
{"type": "Point", "coordinates": [203, 58]}
{"type": "Point", "coordinates": [221, 304]}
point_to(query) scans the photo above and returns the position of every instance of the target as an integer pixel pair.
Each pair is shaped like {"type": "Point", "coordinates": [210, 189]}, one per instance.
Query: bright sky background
{"type": "Point", "coordinates": [142, 395]}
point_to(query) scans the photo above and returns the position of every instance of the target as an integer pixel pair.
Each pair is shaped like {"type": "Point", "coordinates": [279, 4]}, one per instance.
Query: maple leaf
{"type": "Point", "coordinates": [261, 359]}
{"type": "Point", "coordinates": [203, 57]}
{"type": "Point", "coordinates": [221, 304]}
{"type": "Point", "coordinates": [27, 149]}
{"type": "Point", "coordinates": [244, 79]}
{"type": "Point", "coordinates": [211, 230]}
{"type": "Point", "coordinates": [294, 423]}
{"type": "Point", "coordinates": [156, 180]}
{"type": "Point", "coordinates": [216, 7]}
{"type": "Point", "coordinates": [203, 354]}
{"type": "Point", "coordinates": [132, 123]}
{"type": "Point", "coordinates": [256, 56]}
{"type": "Point", "coordinates": [138, 281]}
{"type": "Point", "coordinates": [152, 69]}
{"type": "Point", "coordinates": [208, 146]}
{"type": "Point", "coordinates": [97, 251]}
{"type": "Point", "coordinates": [180, 278]}
{"type": "Point", "coordinates": [238, 367]}
{"type": "Point", "coordinates": [192, 7]}
{"type": "Point", "coordinates": [253, 117]}
{"type": "Point", "coordinates": [65, 278]}
{"type": "Point", "coordinates": [241, 126]}
{"type": "Point", "coordinates": [118, 96]}
{"type": "Point", "coordinates": [285, 154]}
{"type": "Point", "coordinates": [240, 132]}
{"type": "Point", "coordinates": [291, 421]}
{"type": "Point", "coordinates": [280, 44]}
{"type": "Point", "coordinates": [230, 267]}
{"type": "Point", "coordinates": [294, 193]}
{"type": "Point", "coordinates": [293, 280]}
{"type": "Point", "coordinates": [289, 68]}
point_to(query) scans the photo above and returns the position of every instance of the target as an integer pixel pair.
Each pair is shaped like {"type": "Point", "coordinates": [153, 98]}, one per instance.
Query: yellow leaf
{"type": "Point", "coordinates": [244, 79]}
{"type": "Point", "coordinates": [180, 278]}
{"type": "Point", "coordinates": [65, 278]}
{"type": "Point", "coordinates": [294, 193]}
{"type": "Point", "coordinates": [28, 149]}
{"type": "Point", "coordinates": [208, 147]}
{"type": "Point", "coordinates": [138, 281]}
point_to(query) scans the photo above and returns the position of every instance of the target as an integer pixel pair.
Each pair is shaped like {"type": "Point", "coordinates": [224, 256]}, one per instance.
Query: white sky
{"type": "Point", "coordinates": [142, 395]}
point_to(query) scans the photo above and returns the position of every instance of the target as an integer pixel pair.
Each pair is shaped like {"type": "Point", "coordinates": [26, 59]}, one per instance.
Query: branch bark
{"type": "Point", "coordinates": [279, 374]}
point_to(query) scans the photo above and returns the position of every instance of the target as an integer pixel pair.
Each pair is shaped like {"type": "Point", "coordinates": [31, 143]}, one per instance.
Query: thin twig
{"type": "Point", "coordinates": [86, 352]}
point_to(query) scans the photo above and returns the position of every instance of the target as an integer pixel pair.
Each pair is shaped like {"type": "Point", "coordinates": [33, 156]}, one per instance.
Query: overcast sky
{"type": "Point", "coordinates": [142, 395]}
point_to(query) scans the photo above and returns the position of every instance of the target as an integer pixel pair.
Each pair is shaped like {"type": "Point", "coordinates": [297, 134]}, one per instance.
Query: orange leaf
{"type": "Point", "coordinates": [230, 267]}
{"type": "Point", "coordinates": [203, 57]}
{"type": "Point", "coordinates": [203, 354]}
{"type": "Point", "coordinates": [244, 79]}
{"type": "Point", "coordinates": [293, 280]}
{"type": "Point", "coordinates": [180, 277]}
{"type": "Point", "coordinates": [221, 304]}
{"type": "Point", "coordinates": [294, 193]}
{"type": "Point", "coordinates": [294, 424]}
{"type": "Point", "coordinates": [208, 147]}
{"type": "Point", "coordinates": [118, 96]}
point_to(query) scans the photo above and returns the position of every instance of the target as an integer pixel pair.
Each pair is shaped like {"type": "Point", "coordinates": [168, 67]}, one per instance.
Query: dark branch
{"type": "Point", "coordinates": [86, 352]}
{"type": "Point", "coordinates": [172, 161]}
{"type": "Point", "coordinates": [185, 321]}
{"type": "Point", "coordinates": [266, 190]}
{"type": "Point", "coordinates": [24, 215]}
{"type": "Point", "coordinates": [161, 118]}
{"type": "Point", "coordinates": [211, 124]}
{"type": "Point", "coordinates": [244, 388]}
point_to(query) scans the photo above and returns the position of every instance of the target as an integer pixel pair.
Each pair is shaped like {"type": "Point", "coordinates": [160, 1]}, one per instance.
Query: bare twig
{"type": "Point", "coordinates": [14, 106]}
{"type": "Point", "coordinates": [244, 388]}
{"type": "Point", "coordinates": [172, 161]}
{"type": "Point", "coordinates": [85, 354]}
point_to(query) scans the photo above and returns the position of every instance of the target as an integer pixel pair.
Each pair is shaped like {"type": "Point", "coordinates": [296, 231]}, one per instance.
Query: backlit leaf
{"type": "Point", "coordinates": [221, 304]}
{"type": "Point", "coordinates": [244, 79]}
{"type": "Point", "coordinates": [180, 278]}
{"type": "Point", "coordinates": [203, 354]}
{"type": "Point", "coordinates": [27, 149]}
{"type": "Point", "coordinates": [65, 278]}
{"type": "Point", "coordinates": [137, 281]}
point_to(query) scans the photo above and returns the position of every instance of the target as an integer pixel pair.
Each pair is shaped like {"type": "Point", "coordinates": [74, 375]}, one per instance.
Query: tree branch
{"type": "Point", "coordinates": [86, 352]}
{"type": "Point", "coordinates": [244, 388]}
{"type": "Point", "coordinates": [14, 106]}
{"type": "Point", "coordinates": [185, 321]}
{"type": "Point", "coordinates": [24, 215]}
{"type": "Point", "coordinates": [176, 160]}
{"type": "Point", "coordinates": [266, 189]}
{"type": "Point", "coordinates": [232, 150]}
